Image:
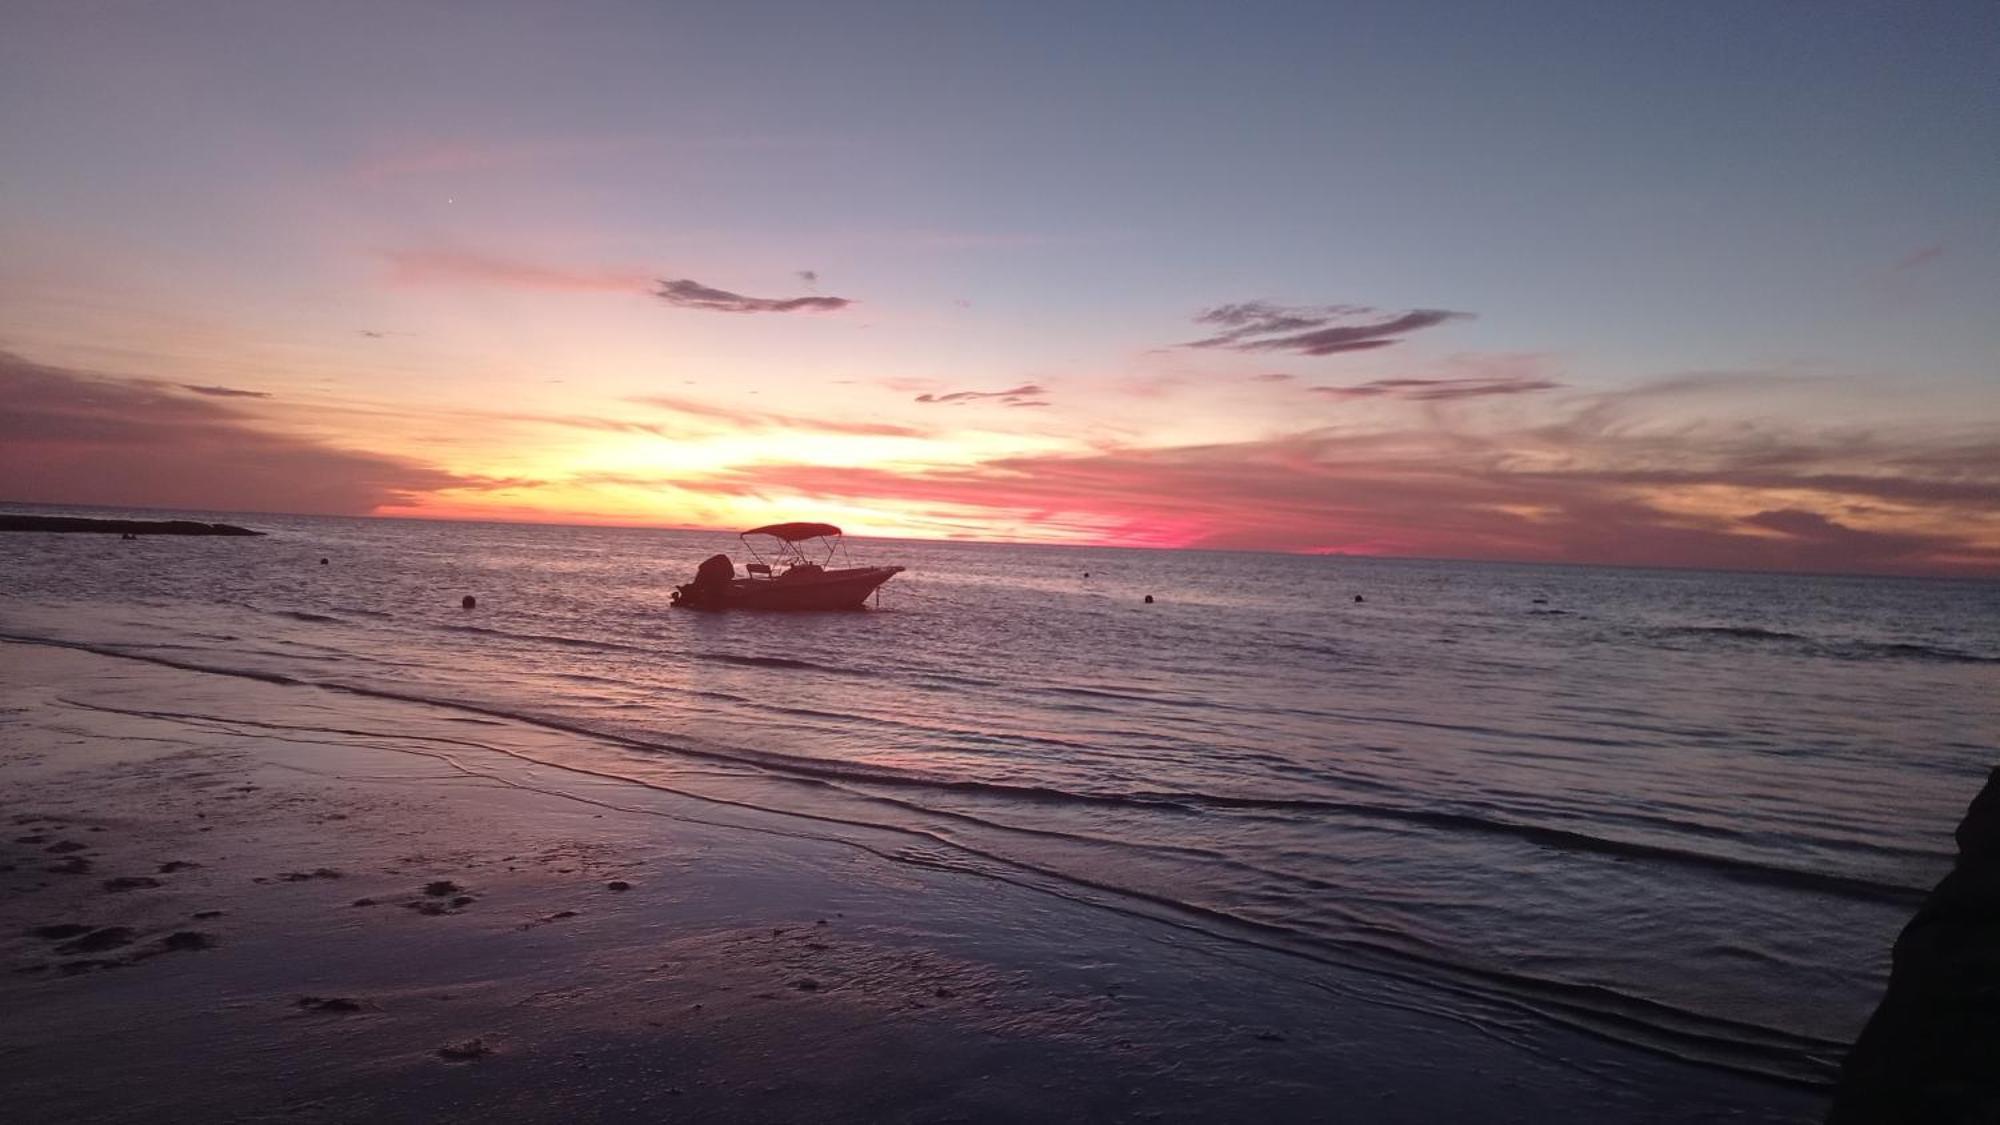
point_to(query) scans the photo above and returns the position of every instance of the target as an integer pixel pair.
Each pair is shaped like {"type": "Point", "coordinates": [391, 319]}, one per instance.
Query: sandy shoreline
{"type": "Point", "coordinates": [228, 900]}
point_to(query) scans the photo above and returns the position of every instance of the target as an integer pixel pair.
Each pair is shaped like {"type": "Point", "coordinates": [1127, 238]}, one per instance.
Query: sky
{"type": "Point", "coordinates": [1703, 284]}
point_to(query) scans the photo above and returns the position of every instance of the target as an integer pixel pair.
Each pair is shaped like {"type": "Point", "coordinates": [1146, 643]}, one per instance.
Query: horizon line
{"type": "Point", "coordinates": [1003, 542]}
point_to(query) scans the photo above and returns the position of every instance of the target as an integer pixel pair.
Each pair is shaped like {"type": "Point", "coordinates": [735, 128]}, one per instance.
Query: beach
{"type": "Point", "coordinates": [283, 901]}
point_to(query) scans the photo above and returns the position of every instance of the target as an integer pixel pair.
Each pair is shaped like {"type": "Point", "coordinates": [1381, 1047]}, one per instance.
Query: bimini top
{"type": "Point", "coordinates": [793, 532]}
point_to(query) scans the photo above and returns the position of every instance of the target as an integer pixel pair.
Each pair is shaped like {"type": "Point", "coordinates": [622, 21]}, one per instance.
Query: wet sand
{"type": "Point", "coordinates": [227, 900]}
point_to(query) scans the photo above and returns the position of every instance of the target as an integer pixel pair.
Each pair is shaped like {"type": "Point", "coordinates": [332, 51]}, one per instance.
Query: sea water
{"type": "Point", "coordinates": [1683, 810]}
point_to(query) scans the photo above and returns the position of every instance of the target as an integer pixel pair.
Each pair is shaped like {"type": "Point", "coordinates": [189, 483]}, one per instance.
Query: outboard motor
{"type": "Point", "coordinates": [711, 580]}
{"type": "Point", "coordinates": [716, 570]}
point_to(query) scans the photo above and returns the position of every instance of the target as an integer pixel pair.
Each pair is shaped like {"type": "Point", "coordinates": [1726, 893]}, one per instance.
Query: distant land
{"type": "Point", "coordinates": [10, 522]}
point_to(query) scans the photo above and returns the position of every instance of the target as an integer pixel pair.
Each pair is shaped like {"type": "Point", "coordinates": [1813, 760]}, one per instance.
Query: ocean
{"type": "Point", "coordinates": [1683, 810]}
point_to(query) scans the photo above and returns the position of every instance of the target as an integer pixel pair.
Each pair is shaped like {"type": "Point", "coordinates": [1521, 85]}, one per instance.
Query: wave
{"type": "Point", "coordinates": [589, 644]}
{"type": "Point", "coordinates": [1738, 632]}
{"type": "Point", "coordinates": [776, 662]}
{"type": "Point", "coordinates": [1834, 649]}
{"type": "Point", "coordinates": [315, 618]}
{"type": "Point", "coordinates": [1905, 651]}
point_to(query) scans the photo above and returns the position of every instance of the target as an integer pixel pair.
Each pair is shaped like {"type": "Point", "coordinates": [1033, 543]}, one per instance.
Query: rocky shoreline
{"type": "Point", "coordinates": [79, 525]}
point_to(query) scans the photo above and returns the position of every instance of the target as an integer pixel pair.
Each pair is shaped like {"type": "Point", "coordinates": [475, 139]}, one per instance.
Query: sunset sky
{"type": "Point", "coordinates": [1688, 284]}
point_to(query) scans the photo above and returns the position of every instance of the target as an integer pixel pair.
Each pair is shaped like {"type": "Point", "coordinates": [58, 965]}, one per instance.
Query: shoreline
{"type": "Point", "coordinates": [752, 966]}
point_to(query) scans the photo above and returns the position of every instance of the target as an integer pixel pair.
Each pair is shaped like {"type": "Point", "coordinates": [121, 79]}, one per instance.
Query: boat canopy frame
{"type": "Point", "coordinates": [790, 550]}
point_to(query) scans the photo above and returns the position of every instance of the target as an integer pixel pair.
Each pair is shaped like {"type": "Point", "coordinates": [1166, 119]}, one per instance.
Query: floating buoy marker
{"type": "Point", "coordinates": [468, 601]}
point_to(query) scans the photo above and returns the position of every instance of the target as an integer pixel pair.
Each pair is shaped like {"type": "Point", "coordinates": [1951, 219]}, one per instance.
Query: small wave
{"type": "Point", "coordinates": [1735, 632]}
{"type": "Point", "coordinates": [316, 618]}
{"type": "Point", "coordinates": [1895, 650]}
{"type": "Point", "coordinates": [1834, 649]}
{"type": "Point", "coordinates": [776, 662]}
{"type": "Point", "coordinates": [549, 638]}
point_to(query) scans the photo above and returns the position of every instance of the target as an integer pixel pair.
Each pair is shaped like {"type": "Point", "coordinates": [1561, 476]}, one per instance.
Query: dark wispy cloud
{"type": "Point", "coordinates": [1027, 394]}
{"type": "Point", "coordinates": [688, 294]}
{"type": "Point", "coordinates": [1921, 256]}
{"type": "Point", "coordinates": [1259, 326]}
{"type": "Point", "coordinates": [222, 392]}
{"type": "Point", "coordinates": [1437, 390]}
{"type": "Point", "coordinates": [741, 418]}
{"type": "Point", "coordinates": [76, 437]}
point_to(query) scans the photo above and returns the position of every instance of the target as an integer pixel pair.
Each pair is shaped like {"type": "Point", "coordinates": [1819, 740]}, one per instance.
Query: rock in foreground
{"type": "Point", "coordinates": [1929, 1051]}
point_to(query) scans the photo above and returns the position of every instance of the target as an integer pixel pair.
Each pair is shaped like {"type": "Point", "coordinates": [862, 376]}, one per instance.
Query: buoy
{"type": "Point", "coordinates": [1149, 599]}
{"type": "Point", "coordinates": [1359, 598]}
{"type": "Point", "coordinates": [1086, 574]}
{"type": "Point", "coordinates": [468, 601]}
{"type": "Point", "coordinates": [322, 562]}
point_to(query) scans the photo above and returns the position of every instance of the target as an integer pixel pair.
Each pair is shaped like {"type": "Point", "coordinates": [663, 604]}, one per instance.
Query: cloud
{"type": "Point", "coordinates": [434, 267]}
{"type": "Point", "coordinates": [1438, 390]}
{"type": "Point", "coordinates": [73, 437]}
{"type": "Point", "coordinates": [694, 295]}
{"type": "Point", "coordinates": [769, 420]}
{"type": "Point", "coordinates": [1595, 486]}
{"type": "Point", "coordinates": [1816, 532]}
{"type": "Point", "coordinates": [1922, 256]}
{"type": "Point", "coordinates": [809, 277]}
{"type": "Point", "coordinates": [1273, 377]}
{"type": "Point", "coordinates": [1258, 326]}
{"type": "Point", "coordinates": [1012, 396]}
{"type": "Point", "coordinates": [223, 392]}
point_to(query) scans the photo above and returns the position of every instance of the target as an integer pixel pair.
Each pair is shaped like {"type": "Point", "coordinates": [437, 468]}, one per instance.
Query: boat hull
{"type": "Point", "coordinates": [827, 590]}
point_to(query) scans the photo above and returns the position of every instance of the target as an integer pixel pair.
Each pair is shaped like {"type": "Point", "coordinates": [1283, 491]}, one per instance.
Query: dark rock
{"type": "Point", "coordinates": [315, 873]}
{"type": "Point", "coordinates": [1927, 1054]}
{"type": "Point", "coordinates": [328, 1004]}
{"type": "Point", "coordinates": [618, 885]}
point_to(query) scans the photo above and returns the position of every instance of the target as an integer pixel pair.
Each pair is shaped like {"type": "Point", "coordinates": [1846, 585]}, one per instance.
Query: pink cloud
{"type": "Point", "coordinates": [1433, 494]}
{"type": "Point", "coordinates": [762, 419]}
{"type": "Point", "coordinates": [77, 438]}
